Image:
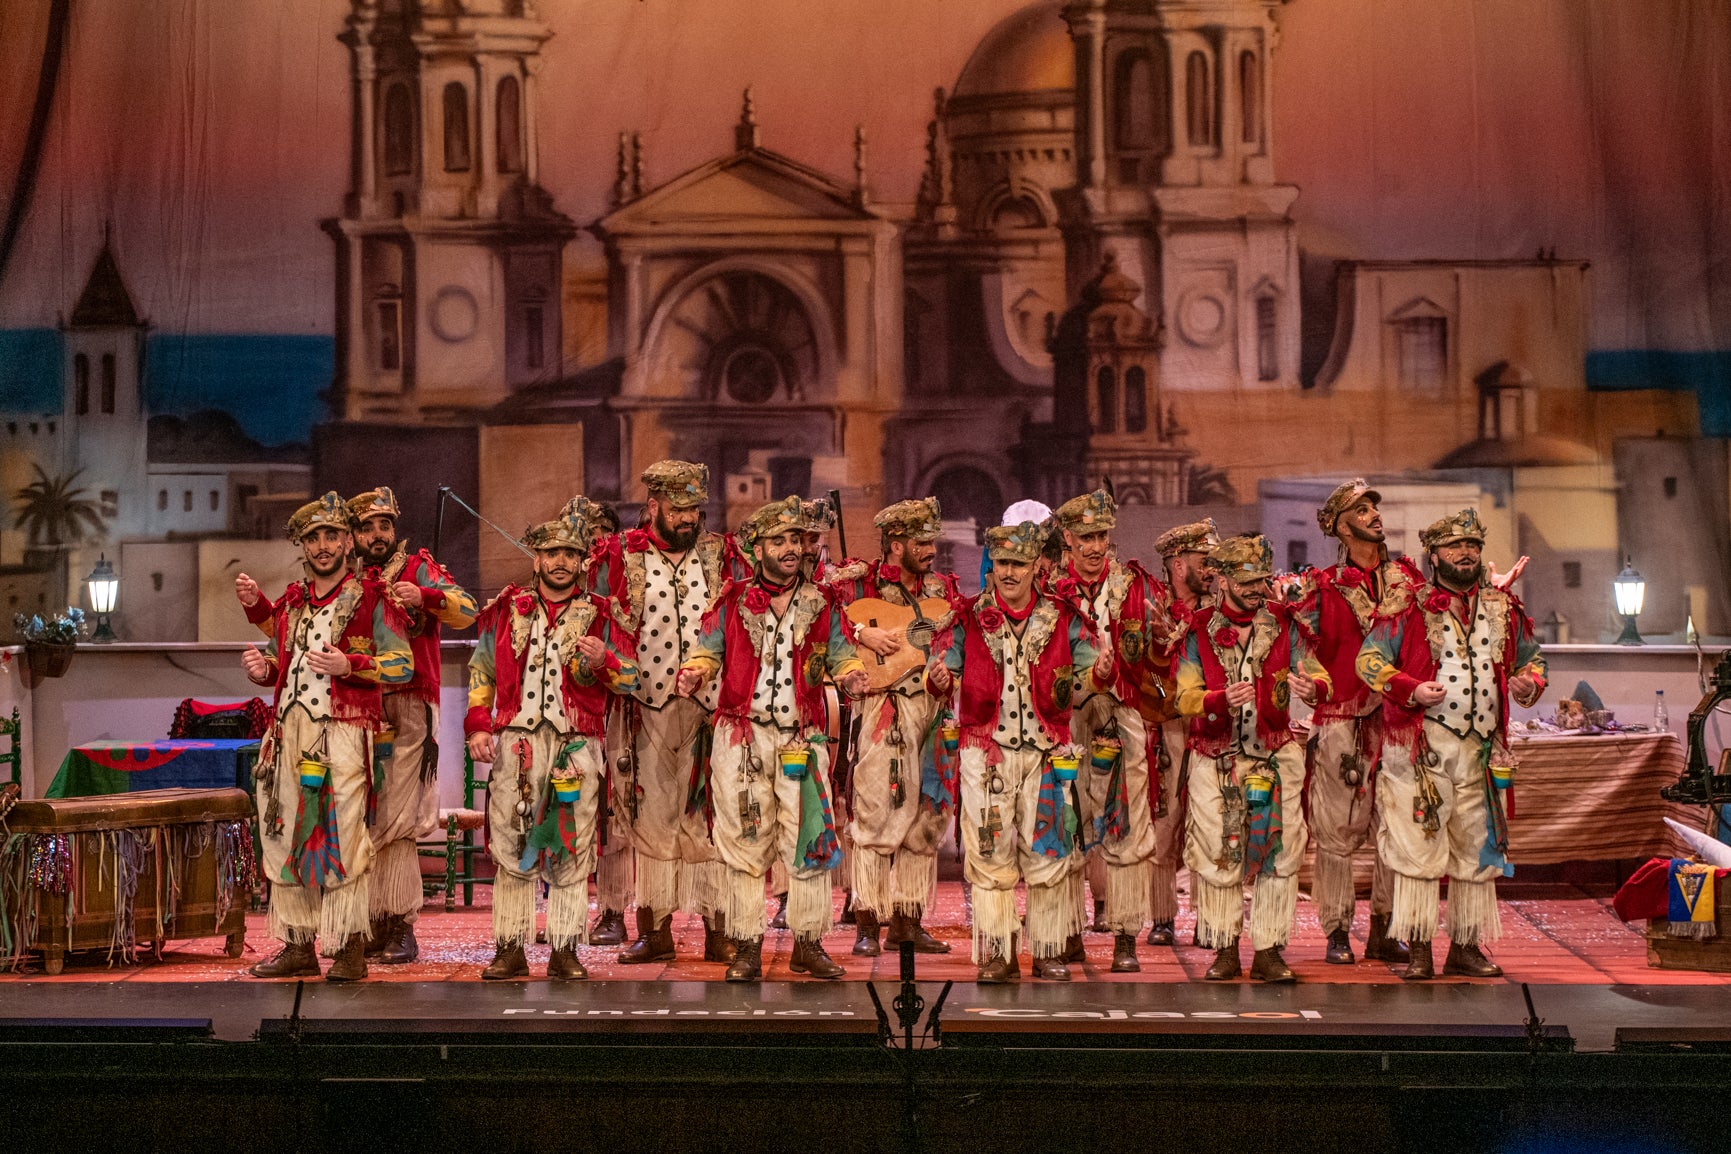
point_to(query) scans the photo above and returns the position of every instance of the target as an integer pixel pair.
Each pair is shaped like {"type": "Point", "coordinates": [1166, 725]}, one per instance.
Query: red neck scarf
{"type": "Point", "coordinates": [1236, 618]}
{"type": "Point", "coordinates": [1016, 615]}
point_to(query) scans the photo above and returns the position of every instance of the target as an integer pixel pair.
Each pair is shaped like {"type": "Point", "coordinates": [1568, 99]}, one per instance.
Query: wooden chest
{"type": "Point", "coordinates": [121, 871]}
{"type": "Point", "coordinates": [1665, 952]}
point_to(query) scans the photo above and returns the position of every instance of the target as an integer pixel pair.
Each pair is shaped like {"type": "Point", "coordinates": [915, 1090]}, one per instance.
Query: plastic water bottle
{"type": "Point", "coordinates": [1661, 719]}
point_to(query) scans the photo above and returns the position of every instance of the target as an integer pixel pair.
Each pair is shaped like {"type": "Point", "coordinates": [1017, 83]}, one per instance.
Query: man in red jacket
{"type": "Point", "coordinates": [1337, 608]}
{"type": "Point", "coordinates": [546, 658]}
{"type": "Point", "coordinates": [335, 639]}
{"type": "Point", "coordinates": [1242, 664]}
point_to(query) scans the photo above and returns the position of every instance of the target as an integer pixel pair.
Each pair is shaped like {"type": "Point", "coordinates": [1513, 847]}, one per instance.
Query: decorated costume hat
{"type": "Point", "coordinates": [380, 502]}
{"type": "Point", "coordinates": [573, 528]}
{"type": "Point", "coordinates": [820, 515]}
{"type": "Point", "coordinates": [682, 484]}
{"type": "Point", "coordinates": [329, 510]}
{"type": "Point", "coordinates": [1091, 513]}
{"type": "Point", "coordinates": [1462, 526]}
{"type": "Point", "coordinates": [1021, 542]}
{"type": "Point", "coordinates": [1344, 497]}
{"type": "Point", "coordinates": [917, 520]}
{"type": "Point", "coordinates": [775, 517]}
{"type": "Point", "coordinates": [1243, 559]}
{"type": "Point", "coordinates": [1196, 537]}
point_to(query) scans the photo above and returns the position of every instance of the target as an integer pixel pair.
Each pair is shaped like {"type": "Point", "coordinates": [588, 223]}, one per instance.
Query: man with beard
{"type": "Point", "coordinates": [1446, 663]}
{"type": "Point", "coordinates": [1019, 655]}
{"type": "Point", "coordinates": [1188, 590]}
{"type": "Point", "coordinates": [769, 642]}
{"type": "Point", "coordinates": [1338, 606]}
{"type": "Point", "coordinates": [901, 802]}
{"type": "Point", "coordinates": [544, 662]}
{"type": "Point", "coordinates": [335, 640]}
{"type": "Point", "coordinates": [660, 577]}
{"type": "Point", "coordinates": [1120, 600]}
{"type": "Point", "coordinates": [407, 803]}
{"type": "Point", "coordinates": [1242, 663]}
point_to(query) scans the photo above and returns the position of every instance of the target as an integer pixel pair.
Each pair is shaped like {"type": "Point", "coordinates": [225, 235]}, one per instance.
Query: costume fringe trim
{"type": "Point", "coordinates": [869, 878]}
{"type": "Point", "coordinates": [658, 886]}
{"type": "Point", "coordinates": [995, 923]}
{"type": "Point", "coordinates": [777, 877]}
{"type": "Point", "coordinates": [294, 914]}
{"type": "Point", "coordinates": [1054, 916]}
{"type": "Point", "coordinates": [1219, 912]}
{"type": "Point", "coordinates": [702, 887]}
{"type": "Point", "coordinates": [1273, 903]}
{"type": "Point", "coordinates": [614, 877]}
{"type": "Point", "coordinates": [513, 908]}
{"type": "Point", "coordinates": [913, 879]}
{"type": "Point", "coordinates": [396, 877]}
{"type": "Point", "coordinates": [1127, 896]}
{"type": "Point", "coordinates": [1473, 916]}
{"type": "Point", "coordinates": [1414, 917]}
{"type": "Point", "coordinates": [810, 907]}
{"type": "Point", "coordinates": [1163, 897]}
{"type": "Point", "coordinates": [345, 912]}
{"type": "Point", "coordinates": [568, 915]}
{"type": "Point", "coordinates": [1333, 891]}
{"type": "Point", "coordinates": [744, 910]}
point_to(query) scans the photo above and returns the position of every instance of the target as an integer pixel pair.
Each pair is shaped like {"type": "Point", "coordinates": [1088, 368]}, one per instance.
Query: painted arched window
{"type": "Point", "coordinates": [1267, 339]}
{"type": "Point", "coordinates": [510, 124]}
{"type": "Point", "coordinates": [1135, 399]}
{"type": "Point", "coordinates": [1133, 99]}
{"type": "Point", "coordinates": [1199, 100]}
{"type": "Point", "coordinates": [456, 128]}
{"type": "Point", "coordinates": [399, 131]}
{"type": "Point", "coordinates": [1106, 400]}
{"type": "Point", "coordinates": [1250, 96]}
{"type": "Point", "coordinates": [108, 383]}
{"type": "Point", "coordinates": [81, 379]}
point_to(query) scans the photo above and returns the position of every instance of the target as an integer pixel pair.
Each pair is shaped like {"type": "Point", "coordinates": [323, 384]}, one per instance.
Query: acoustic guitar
{"type": "Point", "coordinates": [912, 626]}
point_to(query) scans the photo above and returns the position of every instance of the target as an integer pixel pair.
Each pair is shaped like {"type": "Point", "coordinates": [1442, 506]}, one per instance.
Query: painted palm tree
{"type": "Point", "coordinates": [54, 515]}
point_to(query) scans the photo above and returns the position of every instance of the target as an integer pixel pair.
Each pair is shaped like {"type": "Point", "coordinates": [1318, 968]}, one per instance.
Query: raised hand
{"type": "Point", "coordinates": [330, 662]}
{"type": "Point", "coordinates": [247, 590]}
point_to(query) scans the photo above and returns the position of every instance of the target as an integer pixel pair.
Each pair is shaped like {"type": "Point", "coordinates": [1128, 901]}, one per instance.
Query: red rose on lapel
{"type": "Point", "coordinates": [1350, 577]}
{"type": "Point", "coordinates": [890, 574]}
{"type": "Point", "coordinates": [1226, 637]}
{"type": "Point", "coordinates": [756, 600]}
{"type": "Point", "coordinates": [525, 604]}
{"type": "Point", "coordinates": [297, 593]}
{"type": "Point", "coordinates": [1437, 602]}
{"type": "Point", "coordinates": [637, 541]}
{"type": "Point", "coordinates": [991, 619]}
{"type": "Point", "coordinates": [1067, 588]}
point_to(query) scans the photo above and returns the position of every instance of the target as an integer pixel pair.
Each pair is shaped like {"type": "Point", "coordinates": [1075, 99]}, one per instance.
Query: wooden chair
{"type": "Point", "coordinates": [459, 841]}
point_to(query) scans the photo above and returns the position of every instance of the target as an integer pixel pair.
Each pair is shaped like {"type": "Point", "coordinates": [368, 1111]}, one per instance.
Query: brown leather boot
{"type": "Point", "coordinates": [1379, 947]}
{"type": "Point", "coordinates": [865, 940]}
{"type": "Point", "coordinates": [1124, 954]}
{"type": "Point", "coordinates": [907, 928]}
{"type": "Point", "coordinates": [1420, 966]}
{"type": "Point", "coordinates": [563, 965]}
{"type": "Point", "coordinates": [1338, 951]}
{"type": "Point", "coordinates": [1226, 964]}
{"type": "Point", "coordinates": [378, 934]}
{"type": "Point", "coordinates": [1161, 934]}
{"type": "Point", "coordinates": [508, 962]}
{"type": "Point", "coordinates": [294, 960]}
{"type": "Point", "coordinates": [849, 916]}
{"type": "Point", "coordinates": [1268, 966]}
{"type": "Point", "coordinates": [1098, 926]}
{"type": "Point", "coordinates": [1468, 962]}
{"type": "Point", "coordinates": [717, 946]}
{"type": "Point", "coordinates": [654, 942]}
{"type": "Point", "coordinates": [998, 969]}
{"type": "Point", "coordinates": [779, 921]}
{"type": "Point", "coordinates": [609, 929]}
{"type": "Point", "coordinates": [809, 958]}
{"type": "Point", "coordinates": [350, 964]}
{"type": "Point", "coordinates": [400, 947]}
{"type": "Point", "coordinates": [1073, 953]}
{"type": "Point", "coordinates": [747, 962]}
{"type": "Point", "coordinates": [1052, 969]}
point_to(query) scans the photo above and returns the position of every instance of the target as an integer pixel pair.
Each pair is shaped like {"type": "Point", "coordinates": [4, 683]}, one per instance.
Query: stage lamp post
{"type": "Point", "coordinates": [104, 585]}
{"type": "Point", "coordinates": [1630, 591]}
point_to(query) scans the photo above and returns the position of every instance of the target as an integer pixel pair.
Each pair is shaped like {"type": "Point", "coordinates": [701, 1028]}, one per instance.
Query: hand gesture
{"type": "Point", "coordinates": [854, 684]}
{"type": "Point", "coordinates": [1429, 693]}
{"type": "Point", "coordinates": [407, 594]}
{"type": "Point", "coordinates": [687, 682]}
{"type": "Point", "coordinates": [330, 662]}
{"type": "Point", "coordinates": [1240, 693]}
{"type": "Point", "coordinates": [938, 678]}
{"type": "Point", "coordinates": [483, 746]}
{"type": "Point", "coordinates": [256, 665]}
{"type": "Point", "coordinates": [880, 641]}
{"type": "Point", "coordinates": [1523, 689]}
{"type": "Point", "coordinates": [1504, 580]}
{"type": "Point", "coordinates": [247, 590]}
{"type": "Point", "coordinates": [1305, 689]}
{"type": "Point", "coordinates": [1103, 667]}
{"type": "Point", "coordinates": [591, 649]}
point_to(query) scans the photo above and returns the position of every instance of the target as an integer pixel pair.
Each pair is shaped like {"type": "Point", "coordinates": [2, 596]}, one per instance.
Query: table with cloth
{"type": "Point", "coordinates": [104, 767]}
{"type": "Point", "coordinates": [1595, 797]}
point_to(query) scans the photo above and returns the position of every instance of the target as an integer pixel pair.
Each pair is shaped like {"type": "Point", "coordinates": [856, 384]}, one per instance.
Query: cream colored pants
{"type": "Point", "coordinates": [893, 850]}
{"type": "Point", "coordinates": [1343, 818]}
{"type": "Point", "coordinates": [999, 804]}
{"type": "Point", "coordinates": [1217, 882]}
{"type": "Point", "coordinates": [1127, 859]}
{"type": "Point", "coordinates": [406, 808]}
{"type": "Point", "coordinates": [677, 866]}
{"type": "Point", "coordinates": [523, 768]}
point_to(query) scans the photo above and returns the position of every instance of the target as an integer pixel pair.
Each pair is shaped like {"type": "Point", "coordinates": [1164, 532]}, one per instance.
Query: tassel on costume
{"type": "Point", "coordinates": [513, 908]}
{"type": "Point", "coordinates": [869, 878]}
{"type": "Point", "coordinates": [1473, 916]}
{"type": "Point", "coordinates": [913, 879]}
{"type": "Point", "coordinates": [1272, 905]}
{"type": "Point", "coordinates": [1414, 917]}
{"type": "Point", "coordinates": [995, 923]}
{"type": "Point", "coordinates": [1219, 912]}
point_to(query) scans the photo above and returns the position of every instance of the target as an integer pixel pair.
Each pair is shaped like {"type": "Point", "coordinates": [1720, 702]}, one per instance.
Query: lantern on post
{"type": "Point", "coordinates": [104, 586]}
{"type": "Point", "coordinates": [1630, 592]}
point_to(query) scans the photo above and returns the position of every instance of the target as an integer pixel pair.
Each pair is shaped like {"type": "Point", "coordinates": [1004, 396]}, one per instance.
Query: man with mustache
{"type": "Point", "coordinates": [1337, 608]}
{"type": "Point", "coordinates": [1242, 663]}
{"type": "Point", "coordinates": [1187, 592]}
{"type": "Point", "coordinates": [1121, 601]}
{"type": "Point", "coordinates": [335, 640]}
{"type": "Point", "coordinates": [660, 578]}
{"type": "Point", "coordinates": [901, 804]}
{"type": "Point", "coordinates": [546, 659]}
{"type": "Point", "coordinates": [1019, 655]}
{"type": "Point", "coordinates": [769, 642]}
{"type": "Point", "coordinates": [1446, 663]}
